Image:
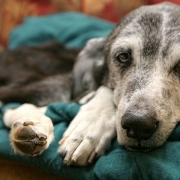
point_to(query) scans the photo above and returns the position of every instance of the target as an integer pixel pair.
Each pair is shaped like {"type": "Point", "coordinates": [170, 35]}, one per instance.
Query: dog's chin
{"type": "Point", "coordinates": [138, 148]}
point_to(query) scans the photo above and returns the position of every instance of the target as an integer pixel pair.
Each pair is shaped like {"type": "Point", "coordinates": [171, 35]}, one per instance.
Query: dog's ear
{"type": "Point", "coordinates": [88, 69]}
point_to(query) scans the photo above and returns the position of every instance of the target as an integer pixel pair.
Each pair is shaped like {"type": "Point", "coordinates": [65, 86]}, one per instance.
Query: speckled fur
{"type": "Point", "coordinates": [149, 84]}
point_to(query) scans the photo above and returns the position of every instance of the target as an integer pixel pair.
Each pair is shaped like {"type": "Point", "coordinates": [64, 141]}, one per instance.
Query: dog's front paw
{"type": "Point", "coordinates": [27, 140]}
{"type": "Point", "coordinates": [90, 133]}
{"type": "Point", "coordinates": [31, 131]}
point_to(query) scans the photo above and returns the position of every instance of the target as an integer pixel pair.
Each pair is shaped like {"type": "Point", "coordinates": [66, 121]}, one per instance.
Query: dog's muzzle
{"type": "Point", "coordinates": [139, 126]}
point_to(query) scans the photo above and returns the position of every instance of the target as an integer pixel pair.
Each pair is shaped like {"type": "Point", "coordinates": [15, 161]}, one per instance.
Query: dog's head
{"type": "Point", "coordinates": [143, 67]}
{"type": "Point", "coordinates": [143, 59]}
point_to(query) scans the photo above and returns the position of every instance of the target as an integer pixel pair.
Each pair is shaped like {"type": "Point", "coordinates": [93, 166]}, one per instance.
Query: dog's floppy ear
{"type": "Point", "coordinates": [88, 69]}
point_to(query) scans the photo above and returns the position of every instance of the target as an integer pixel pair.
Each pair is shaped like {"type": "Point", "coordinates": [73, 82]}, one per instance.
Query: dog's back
{"type": "Point", "coordinates": [37, 75]}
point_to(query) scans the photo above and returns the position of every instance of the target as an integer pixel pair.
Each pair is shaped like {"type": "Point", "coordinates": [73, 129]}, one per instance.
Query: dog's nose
{"type": "Point", "coordinates": [139, 127]}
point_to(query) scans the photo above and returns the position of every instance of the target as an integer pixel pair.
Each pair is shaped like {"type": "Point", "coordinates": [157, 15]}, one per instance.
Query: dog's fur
{"type": "Point", "coordinates": [142, 68]}
{"type": "Point", "coordinates": [37, 75]}
{"type": "Point", "coordinates": [141, 100]}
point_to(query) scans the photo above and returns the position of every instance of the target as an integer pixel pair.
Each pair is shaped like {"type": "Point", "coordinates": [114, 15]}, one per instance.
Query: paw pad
{"type": "Point", "coordinates": [28, 142]}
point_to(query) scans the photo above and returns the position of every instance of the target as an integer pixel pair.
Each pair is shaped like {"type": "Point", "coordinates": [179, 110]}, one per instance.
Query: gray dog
{"type": "Point", "coordinates": [142, 67]}
{"type": "Point", "coordinates": [139, 99]}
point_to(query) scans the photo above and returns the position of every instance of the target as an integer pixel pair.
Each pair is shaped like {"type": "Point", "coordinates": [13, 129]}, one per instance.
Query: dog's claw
{"type": "Point", "coordinates": [42, 137]}
{"type": "Point", "coordinates": [16, 124]}
{"type": "Point", "coordinates": [67, 157]}
{"type": "Point", "coordinates": [26, 123]}
{"type": "Point", "coordinates": [92, 157]}
{"type": "Point", "coordinates": [63, 154]}
{"type": "Point", "coordinates": [62, 141]}
{"type": "Point", "coordinates": [73, 161]}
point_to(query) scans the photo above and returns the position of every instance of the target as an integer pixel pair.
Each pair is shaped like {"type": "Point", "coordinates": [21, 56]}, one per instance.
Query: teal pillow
{"type": "Point", "coordinates": [71, 29]}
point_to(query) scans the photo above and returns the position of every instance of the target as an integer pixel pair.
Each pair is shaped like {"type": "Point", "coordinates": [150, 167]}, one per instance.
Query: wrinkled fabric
{"type": "Point", "coordinates": [71, 29]}
{"type": "Point", "coordinates": [117, 163]}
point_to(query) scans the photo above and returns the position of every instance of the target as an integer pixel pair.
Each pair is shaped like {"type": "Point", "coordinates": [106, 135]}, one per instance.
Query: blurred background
{"type": "Point", "coordinates": [13, 12]}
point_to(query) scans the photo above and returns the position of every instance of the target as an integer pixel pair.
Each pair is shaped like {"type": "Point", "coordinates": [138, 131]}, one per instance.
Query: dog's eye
{"type": "Point", "coordinates": [178, 66]}
{"type": "Point", "coordinates": [177, 69]}
{"type": "Point", "coordinates": [124, 58]}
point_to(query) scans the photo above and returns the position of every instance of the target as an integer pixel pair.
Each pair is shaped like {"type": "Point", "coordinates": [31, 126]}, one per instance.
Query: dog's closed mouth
{"type": "Point", "coordinates": [138, 148]}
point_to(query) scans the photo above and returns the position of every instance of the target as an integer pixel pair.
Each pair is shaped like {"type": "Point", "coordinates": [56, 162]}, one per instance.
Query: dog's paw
{"type": "Point", "coordinates": [89, 134]}
{"type": "Point", "coordinates": [87, 138]}
{"type": "Point", "coordinates": [31, 131]}
{"type": "Point", "coordinates": [26, 139]}
{"type": "Point", "coordinates": [31, 138]}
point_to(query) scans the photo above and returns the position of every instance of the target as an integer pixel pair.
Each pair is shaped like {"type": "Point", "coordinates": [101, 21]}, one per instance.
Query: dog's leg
{"type": "Point", "coordinates": [31, 131]}
{"type": "Point", "coordinates": [92, 130]}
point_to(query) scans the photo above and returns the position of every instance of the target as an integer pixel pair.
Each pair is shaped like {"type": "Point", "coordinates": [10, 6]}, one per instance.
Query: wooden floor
{"type": "Point", "coordinates": [10, 170]}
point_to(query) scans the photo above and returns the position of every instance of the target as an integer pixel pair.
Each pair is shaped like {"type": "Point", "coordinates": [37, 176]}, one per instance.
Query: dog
{"type": "Point", "coordinates": [138, 95]}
